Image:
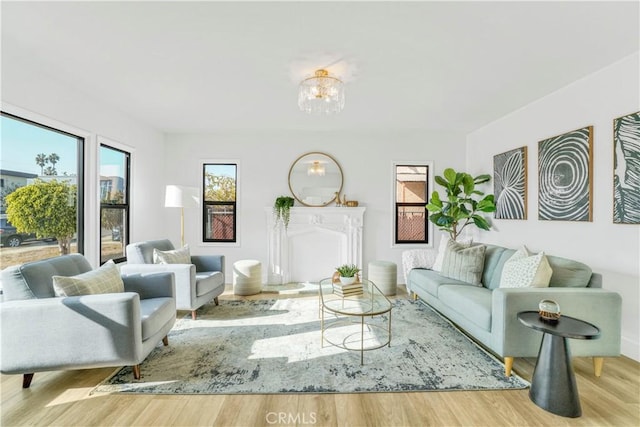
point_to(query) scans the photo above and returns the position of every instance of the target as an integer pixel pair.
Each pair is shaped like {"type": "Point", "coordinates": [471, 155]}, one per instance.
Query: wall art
{"type": "Point", "coordinates": [510, 184]}
{"type": "Point", "coordinates": [626, 169]}
{"type": "Point", "coordinates": [565, 170]}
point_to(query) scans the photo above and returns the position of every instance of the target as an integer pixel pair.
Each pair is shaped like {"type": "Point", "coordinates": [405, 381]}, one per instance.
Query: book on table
{"type": "Point", "coordinates": [347, 290]}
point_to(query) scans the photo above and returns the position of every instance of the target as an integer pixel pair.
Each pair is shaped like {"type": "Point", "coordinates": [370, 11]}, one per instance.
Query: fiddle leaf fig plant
{"type": "Point", "coordinates": [282, 209]}
{"type": "Point", "coordinates": [463, 204]}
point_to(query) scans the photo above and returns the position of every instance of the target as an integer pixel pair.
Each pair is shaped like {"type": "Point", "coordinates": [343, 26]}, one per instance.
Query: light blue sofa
{"type": "Point", "coordinates": [488, 313]}
{"type": "Point", "coordinates": [42, 332]}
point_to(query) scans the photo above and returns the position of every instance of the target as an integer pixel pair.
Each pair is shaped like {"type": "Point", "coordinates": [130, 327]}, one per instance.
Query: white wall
{"type": "Point", "coordinates": [28, 91]}
{"type": "Point", "coordinates": [610, 249]}
{"type": "Point", "coordinates": [265, 158]}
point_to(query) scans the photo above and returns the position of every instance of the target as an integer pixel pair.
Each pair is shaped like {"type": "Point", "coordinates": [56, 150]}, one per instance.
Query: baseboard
{"type": "Point", "coordinates": [630, 348]}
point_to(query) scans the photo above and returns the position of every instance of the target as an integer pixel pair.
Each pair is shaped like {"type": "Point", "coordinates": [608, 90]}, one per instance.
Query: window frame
{"type": "Point", "coordinates": [429, 237]}
{"type": "Point", "coordinates": [236, 205]}
{"type": "Point", "coordinates": [102, 142]}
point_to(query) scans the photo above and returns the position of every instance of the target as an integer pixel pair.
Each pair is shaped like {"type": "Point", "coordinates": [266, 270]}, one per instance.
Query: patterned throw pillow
{"type": "Point", "coordinates": [176, 256]}
{"type": "Point", "coordinates": [524, 270]}
{"type": "Point", "coordinates": [103, 280]}
{"type": "Point", "coordinates": [464, 263]}
{"type": "Point", "coordinates": [444, 240]}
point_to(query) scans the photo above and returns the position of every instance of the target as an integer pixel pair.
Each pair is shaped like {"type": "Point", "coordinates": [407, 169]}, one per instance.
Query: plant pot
{"type": "Point", "coordinates": [347, 280]}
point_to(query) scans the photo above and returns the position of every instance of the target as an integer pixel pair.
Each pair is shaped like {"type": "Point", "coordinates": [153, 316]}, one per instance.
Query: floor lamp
{"type": "Point", "coordinates": [179, 196]}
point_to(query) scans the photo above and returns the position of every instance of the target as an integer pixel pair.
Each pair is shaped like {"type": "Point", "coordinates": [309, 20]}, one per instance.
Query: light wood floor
{"type": "Point", "coordinates": [62, 399]}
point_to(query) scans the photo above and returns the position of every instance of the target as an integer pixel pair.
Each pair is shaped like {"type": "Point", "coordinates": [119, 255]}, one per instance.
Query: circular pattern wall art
{"type": "Point", "coordinates": [565, 168]}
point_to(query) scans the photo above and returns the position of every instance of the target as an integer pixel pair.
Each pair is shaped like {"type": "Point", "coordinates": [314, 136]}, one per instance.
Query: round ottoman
{"type": "Point", "coordinates": [384, 274]}
{"type": "Point", "coordinates": [247, 277]}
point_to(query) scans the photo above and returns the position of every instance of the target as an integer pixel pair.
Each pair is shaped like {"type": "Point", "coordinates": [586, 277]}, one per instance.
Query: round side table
{"type": "Point", "coordinates": [384, 274]}
{"type": "Point", "coordinates": [247, 277]}
{"type": "Point", "coordinates": [553, 385]}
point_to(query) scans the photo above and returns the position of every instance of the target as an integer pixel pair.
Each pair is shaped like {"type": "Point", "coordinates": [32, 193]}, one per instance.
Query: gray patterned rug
{"type": "Point", "coordinates": [273, 346]}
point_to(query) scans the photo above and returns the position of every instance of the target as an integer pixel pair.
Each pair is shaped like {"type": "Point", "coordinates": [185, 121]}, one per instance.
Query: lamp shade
{"type": "Point", "coordinates": [178, 196]}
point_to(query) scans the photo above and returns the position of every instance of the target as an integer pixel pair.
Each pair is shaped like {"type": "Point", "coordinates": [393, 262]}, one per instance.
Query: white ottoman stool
{"type": "Point", "coordinates": [384, 274]}
{"type": "Point", "coordinates": [247, 277]}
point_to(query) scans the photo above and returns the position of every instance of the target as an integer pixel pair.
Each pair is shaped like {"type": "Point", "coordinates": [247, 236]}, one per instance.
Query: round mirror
{"type": "Point", "coordinates": [315, 178]}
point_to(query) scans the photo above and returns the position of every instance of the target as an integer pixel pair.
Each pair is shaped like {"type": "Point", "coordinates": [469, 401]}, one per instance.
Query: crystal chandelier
{"type": "Point", "coordinates": [316, 168]}
{"type": "Point", "coordinates": [321, 94]}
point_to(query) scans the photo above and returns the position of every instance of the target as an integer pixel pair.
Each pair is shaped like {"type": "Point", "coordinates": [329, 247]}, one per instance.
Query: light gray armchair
{"type": "Point", "coordinates": [196, 283]}
{"type": "Point", "coordinates": [42, 332]}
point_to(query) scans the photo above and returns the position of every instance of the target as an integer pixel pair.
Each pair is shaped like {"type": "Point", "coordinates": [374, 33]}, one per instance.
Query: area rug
{"type": "Point", "coordinates": [274, 346]}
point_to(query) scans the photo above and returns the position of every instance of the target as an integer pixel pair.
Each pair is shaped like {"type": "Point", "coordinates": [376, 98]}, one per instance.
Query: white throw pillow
{"type": "Point", "coordinates": [175, 256]}
{"type": "Point", "coordinates": [444, 240]}
{"type": "Point", "coordinates": [103, 280]}
{"type": "Point", "coordinates": [525, 270]}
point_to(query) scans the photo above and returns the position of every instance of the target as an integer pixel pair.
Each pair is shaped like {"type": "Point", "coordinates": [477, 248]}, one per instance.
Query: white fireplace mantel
{"type": "Point", "coordinates": [316, 241]}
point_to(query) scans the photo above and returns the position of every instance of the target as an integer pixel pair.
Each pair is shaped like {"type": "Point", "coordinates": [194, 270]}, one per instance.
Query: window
{"type": "Point", "coordinates": [220, 214]}
{"type": "Point", "coordinates": [114, 203]}
{"type": "Point", "coordinates": [411, 196]}
{"type": "Point", "coordinates": [44, 218]}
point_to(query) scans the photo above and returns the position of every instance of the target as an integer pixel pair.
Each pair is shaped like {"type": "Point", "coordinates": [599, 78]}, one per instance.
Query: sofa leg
{"type": "Point", "coordinates": [26, 380]}
{"type": "Point", "coordinates": [165, 340]}
{"type": "Point", "coordinates": [598, 363]}
{"type": "Point", "coordinates": [508, 365]}
{"type": "Point", "coordinates": [414, 296]}
{"type": "Point", "coordinates": [193, 315]}
{"type": "Point", "coordinates": [136, 372]}
{"type": "Point", "coordinates": [216, 301]}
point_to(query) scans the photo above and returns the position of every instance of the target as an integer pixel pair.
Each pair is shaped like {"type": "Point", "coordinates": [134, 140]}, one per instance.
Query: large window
{"type": "Point", "coordinates": [114, 203]}
{"type": "Point", "coordinates": [411, 196]}
{"type": "Point", "coordinates": [220, 213]}
{"type": "Point", "coordinates": [41, 201]}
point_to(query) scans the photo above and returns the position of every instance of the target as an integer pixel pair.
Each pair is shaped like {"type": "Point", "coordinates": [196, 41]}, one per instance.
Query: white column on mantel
{"type": "Point", "coordinates": [345, 224]}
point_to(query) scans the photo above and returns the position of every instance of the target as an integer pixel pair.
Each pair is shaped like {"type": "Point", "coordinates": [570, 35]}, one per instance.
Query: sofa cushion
{"type": "Point", "coordinates": [154, 313]}
{"type": "Point", "coordinates": [142, 252]}
{"type": "Point", "coordinates": [444, 241]}
{"type": "Point", "coordinates": [174, 256]}
{"type": "Point", "coordinates": [429, 281]}
{"type": "Point", "coordinates": [568, 273]}
{"type": "Point", "coordinates": [524, 270]}
{"type": "Point", "coordinates": [494, 259]}
{"type": "Point", "coordinates": [103, 280]}
{"type": "Point", "coordinates": [472, 302]}
{"type": "Point", "coordinates": [465, 264]}
{"type": "Point", "coordinates": [208, 281]}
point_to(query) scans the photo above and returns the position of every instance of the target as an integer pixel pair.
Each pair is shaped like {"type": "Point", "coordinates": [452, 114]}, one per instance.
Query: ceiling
{"type": "Point", "coordinates": [211, 66]}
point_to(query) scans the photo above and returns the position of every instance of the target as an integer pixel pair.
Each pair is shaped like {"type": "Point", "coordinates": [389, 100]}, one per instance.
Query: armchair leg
{"type": "Point", "coordinates": [136, 372]}
{"type": "Point", "coordinates": [598, 363]}
{"type": "Point", "coordinates": [165, 340]}
{"type": "Point", "coordinates": [508, 365]}
{"type": "Point", "coordinates": [26, 380]}
{"type": "Point", "coordinates": [193, 315]}
{"type": "Point", "coordinates": [216, 301]}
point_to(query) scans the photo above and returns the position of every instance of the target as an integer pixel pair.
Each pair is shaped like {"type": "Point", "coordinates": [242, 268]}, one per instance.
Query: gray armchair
{"type": "Point", "coordinates": [196, 283]}
{"type": "Point", "coordinates": [41, 332]}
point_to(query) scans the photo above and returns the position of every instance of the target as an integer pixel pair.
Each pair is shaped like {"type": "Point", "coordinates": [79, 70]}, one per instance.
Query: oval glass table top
{"type": "Point", "coordinates": [315, 178]}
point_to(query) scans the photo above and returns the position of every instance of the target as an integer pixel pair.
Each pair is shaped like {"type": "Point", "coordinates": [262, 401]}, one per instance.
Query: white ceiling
{"type": "Point", "coordinates": [207, 66]}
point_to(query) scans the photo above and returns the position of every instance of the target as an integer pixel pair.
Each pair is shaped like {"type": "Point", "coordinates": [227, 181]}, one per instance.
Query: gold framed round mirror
{"type": "Point", "coordinates": [315, 178]}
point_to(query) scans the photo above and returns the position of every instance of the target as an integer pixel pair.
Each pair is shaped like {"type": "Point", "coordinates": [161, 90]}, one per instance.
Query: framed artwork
{"type": "Point", "coordinates": [510, 184]}
{"type": "Point", "coordinates": [565, 171]}
{"type": "Point", "coordinates": [626, 169]}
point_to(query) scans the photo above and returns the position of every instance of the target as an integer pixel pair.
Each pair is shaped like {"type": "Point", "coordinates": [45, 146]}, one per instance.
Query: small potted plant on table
{"type": "Point", "coordinates": [348, 273]}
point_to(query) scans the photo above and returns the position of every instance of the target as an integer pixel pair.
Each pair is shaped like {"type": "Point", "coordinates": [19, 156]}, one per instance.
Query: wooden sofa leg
{"type": "Point", "coordinates": [165, 340]}
{"type": "Point", "coordinates": [508, 365]}
{"type": "Point", "coordinates": [136, 372]}
{"type": "Point", "coordinates": [216, 301]}
{"type": "Point", "coordinates": [193, 315]}
{"type": "Point", "coordinates": [26, 380]}
{"type": "Point", "coordinates": [414, 295]}
{"type": "Point", "coordinates": [598, 363]}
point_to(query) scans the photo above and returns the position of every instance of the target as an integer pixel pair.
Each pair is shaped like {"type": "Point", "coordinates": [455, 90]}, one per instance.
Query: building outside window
{"type": "Point", "coordinates": [41, 202]}
{"type": "Point", "coordinates": [220, 198]}
{"type": "Point", "coordinates": [411, 197]}
{"type": "Point", "coordinates": [115, 167]}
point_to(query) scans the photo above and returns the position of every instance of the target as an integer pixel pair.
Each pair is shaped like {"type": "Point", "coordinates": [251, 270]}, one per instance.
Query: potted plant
{"type": "Point", "coordinates": [282, 209]}
{"type": "Point", "coordinates": [463, 204]}
{"type": "Point", "coordinates": [347, 273]}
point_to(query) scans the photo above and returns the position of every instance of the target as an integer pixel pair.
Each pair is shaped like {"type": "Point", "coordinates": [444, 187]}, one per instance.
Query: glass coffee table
{"type": "Point", "coordinates": [358, 320]}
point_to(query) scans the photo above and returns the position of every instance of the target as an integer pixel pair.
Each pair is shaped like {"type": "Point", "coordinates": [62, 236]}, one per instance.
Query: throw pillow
{"type": "Point", "coordinates": [525, 270]}
{"type": "Point", "coordinates": [464, 263]}
{"type": "Point", "coordinates": [444, 240]}
{"type": "Point", "coordinates": [176, 256]}
{"type": "Point", "coordinates": [103, 280]}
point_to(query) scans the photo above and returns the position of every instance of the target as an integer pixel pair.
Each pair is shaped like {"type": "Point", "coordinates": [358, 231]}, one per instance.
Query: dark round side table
{"type": "Point", "coordinates": [553, 385]}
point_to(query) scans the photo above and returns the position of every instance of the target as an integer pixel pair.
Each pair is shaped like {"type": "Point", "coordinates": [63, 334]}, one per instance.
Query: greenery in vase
{"type": "Point", "coordinates": [347, 270]}
{"type": "Point", "coordinates": [282, 209]}
{"type": "Point", "coordinates": [462, 205]}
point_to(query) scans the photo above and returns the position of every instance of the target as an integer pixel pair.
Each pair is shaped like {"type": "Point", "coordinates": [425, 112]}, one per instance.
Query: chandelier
{"type": "Point", "coordinates": [321, 94]}
{"type": "Point", "coordinates": [316, 168]}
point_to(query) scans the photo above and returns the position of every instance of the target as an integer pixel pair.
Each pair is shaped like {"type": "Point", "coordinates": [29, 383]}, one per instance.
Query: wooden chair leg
{"type": "Point", "coordinates": [508, 365]}
{"type": "Point", "coordinates": [26, 380]}
{"type": "Point", "coordinates": [165, 340]}
{"type": "Point", "coordinates": [193, 315]}
{"type": "Point", "coordinates": [136, 372]}
{"type": "Point", "coordinates": [598, 363]}
{"type": "Point", "coordinates": [216, 301]}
